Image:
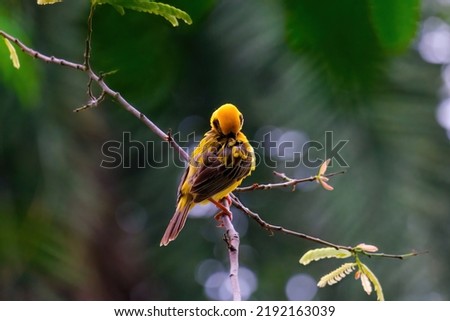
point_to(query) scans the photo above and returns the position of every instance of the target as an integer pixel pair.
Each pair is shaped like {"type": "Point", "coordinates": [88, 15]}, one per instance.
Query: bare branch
{"type": "Point", "coordinates": [288, 182]}
{"type": "Point", "coordinates": [135, 112]}
{"type": "Point", "coordinates": [38, 55]}
{"type": "Point", "coordinates": [177, 147]}
{"type": "Point", "coordinates": [231, 237]}
{"type": "Point", "coordinates": [105, 89]}
{"type": "Point", "coordinates": [275, 228]}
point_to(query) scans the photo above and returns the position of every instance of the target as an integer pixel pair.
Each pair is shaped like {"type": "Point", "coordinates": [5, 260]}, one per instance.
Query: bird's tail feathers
{"type": "Point", "coordinates": [177, 222]}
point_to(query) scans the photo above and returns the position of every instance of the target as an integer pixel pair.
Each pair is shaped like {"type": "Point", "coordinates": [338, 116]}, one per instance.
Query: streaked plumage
{"type": "Point", "coordinates": [220, 162]}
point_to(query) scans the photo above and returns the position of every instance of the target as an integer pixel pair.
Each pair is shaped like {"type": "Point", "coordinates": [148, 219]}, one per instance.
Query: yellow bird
{"type": "Point", "coordinates": [220, 162]}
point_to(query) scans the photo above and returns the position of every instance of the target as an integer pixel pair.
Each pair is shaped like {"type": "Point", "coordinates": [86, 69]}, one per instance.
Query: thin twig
{"type": "Point", "coordinates": [87, 48]}
{"type": "Point", "coordinates": [275, 228]}
{"type": "Point", "coordinates": [89, 89]}
{"type": "Point", "coordinates": [287, 182]}
{"type": "Point", "coordinates": [396, 256]}
{"type": "Point", "coordinates": [38, 55]}
{"type": "Point", "coordinates": [93, 103]}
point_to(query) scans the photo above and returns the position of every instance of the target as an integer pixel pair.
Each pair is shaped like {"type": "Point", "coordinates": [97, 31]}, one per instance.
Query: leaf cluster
{"type": "Point", "coordinates": [363, 273]}
{"type": "Point", "coordinates": [168, 12]}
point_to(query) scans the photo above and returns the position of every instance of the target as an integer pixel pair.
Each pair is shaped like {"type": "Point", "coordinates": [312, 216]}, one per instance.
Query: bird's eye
{"type": "Point", "coordinates": [241, 118]}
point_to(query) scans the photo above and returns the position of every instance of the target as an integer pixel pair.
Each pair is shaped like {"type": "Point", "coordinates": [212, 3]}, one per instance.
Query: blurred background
{"type": "Point", "coordinates": [374, 73]}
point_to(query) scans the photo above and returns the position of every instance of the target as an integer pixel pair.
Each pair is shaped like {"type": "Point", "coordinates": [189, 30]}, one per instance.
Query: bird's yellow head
{"type": "Point", "coordinates": [227, 119]}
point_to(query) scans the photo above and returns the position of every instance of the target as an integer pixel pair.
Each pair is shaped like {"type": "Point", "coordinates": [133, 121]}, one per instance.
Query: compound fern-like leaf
{"type": "Point", "coordinates": [337, 275]}
{"type": "Point", "coordinates": [48, 1]}
{"type": "Point", "coordinates": [168, 12]}
{"type": "Point", "coordinates": [376, 284]}
{"type": "Point", "coordinates": [324, 253]}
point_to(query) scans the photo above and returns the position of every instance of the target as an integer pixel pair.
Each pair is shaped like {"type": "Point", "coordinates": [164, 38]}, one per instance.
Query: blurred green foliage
{"type": "Point", "coordinates": [74, 230]}
{"type": "Point", "coordinates": [26, 82]}
{"type": "Point", "coordinates": [395, 22]}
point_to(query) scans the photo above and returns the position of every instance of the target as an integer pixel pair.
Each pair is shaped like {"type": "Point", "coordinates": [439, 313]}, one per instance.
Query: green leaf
{"type": "Point", "coordinates": [168, 12]}
{"type": "Point", "coordinates": [337, 275]}
{"type": "Point", "coordinates": [377, 285]}
{"type": "Point", "coordinates": [338, 37]}
{"type": "Point", "coordinates": [24, 83]}
{"type": "Point", "coordinates": [48, 1]}
{"type": "Point", "coordinates": [324, 253]}
{"type": "Point", "coordinates": [119, 9]}
{"type": "Point", "coordinates": [12, 54]}
{"type": "Point", "coordinates": [395, 22]}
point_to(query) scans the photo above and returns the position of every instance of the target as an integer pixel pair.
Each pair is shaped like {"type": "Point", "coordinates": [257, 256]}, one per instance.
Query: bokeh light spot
{"type": "Point", "coordinates": [443, 114]}
{"type": "Point", "coordinates": [218, 286]}
{"type": "Point", "coordinates": [434, 45]}
{"type": "Point", "coordinates": [301, 287]}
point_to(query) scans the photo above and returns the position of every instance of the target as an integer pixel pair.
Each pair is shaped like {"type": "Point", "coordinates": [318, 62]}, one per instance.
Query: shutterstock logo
{"type": "Point", "coordinates": [271, 152]}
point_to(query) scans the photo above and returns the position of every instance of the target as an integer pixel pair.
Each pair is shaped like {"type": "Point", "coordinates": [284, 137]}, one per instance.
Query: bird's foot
{"type": "Point", "coordinates": [224, 210]}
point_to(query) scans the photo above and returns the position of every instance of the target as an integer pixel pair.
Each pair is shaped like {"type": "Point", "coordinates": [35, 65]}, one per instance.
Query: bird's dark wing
{"type": "Point", "coordinates": [220, 168]}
